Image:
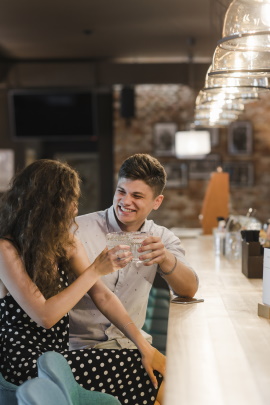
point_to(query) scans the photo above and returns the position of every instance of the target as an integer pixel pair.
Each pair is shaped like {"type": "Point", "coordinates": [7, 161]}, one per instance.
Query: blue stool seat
{"type": "Point", "coordinates": [160, 293]}
{"type": "Point", "coordinates": [7, 392]}
{"type": "Point", "coordinates": [156, 326]}
{"type": "Point", "coordinates": [54, 366]}
{"type": "Point", "coordinates": [158, 302]}
{"type": "Point", "coordinates": [41, 391]}
{"type": "Point", "coordinates": [157, 313]}
{"type": "Point", "coordinates": [156, 322]}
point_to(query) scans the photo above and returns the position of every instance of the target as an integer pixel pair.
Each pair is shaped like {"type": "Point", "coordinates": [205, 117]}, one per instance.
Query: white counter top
{"type": "Point", "coordinates": [218, 351]}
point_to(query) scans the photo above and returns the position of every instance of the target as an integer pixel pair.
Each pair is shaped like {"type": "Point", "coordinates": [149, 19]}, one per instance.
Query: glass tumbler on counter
{"type": "Point", "coordinates": [233, 245]}
{"type": "Point", "coordinates": [133, 239]}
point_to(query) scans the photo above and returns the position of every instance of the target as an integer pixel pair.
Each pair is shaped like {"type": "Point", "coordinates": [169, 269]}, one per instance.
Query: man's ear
{"type": "Point", "coordinates": [158, 201]}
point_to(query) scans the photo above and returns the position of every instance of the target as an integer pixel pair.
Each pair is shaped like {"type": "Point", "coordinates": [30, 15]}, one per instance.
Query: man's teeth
{"type": "Point", "coordinates": [126, 209]}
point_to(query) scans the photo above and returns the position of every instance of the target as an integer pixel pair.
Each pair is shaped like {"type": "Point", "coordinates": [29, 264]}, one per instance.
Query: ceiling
{"type": "Point", "coordinates": [108, 30]}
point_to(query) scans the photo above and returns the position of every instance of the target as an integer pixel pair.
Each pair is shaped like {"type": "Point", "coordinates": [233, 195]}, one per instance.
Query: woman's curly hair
{"type": "Point", "coordinates": [37, 213]}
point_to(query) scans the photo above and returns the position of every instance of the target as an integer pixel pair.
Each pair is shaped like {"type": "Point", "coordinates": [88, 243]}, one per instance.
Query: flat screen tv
{"type": "Point", "coordinates": [52, 114]}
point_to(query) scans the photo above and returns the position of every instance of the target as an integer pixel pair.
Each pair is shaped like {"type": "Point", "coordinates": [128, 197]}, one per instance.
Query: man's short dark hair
{"type": "Point", "coordinates": [142, 166]}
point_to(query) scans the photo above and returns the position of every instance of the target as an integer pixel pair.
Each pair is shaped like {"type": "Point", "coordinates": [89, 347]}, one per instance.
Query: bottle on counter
{"type": "Point", "coordinates": [219, 236]}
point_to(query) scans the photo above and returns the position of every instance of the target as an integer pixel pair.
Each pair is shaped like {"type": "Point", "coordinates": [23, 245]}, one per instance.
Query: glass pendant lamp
{"type": "Point", "coordinates": [234, 63]}
{"type": "Point", "coordinates": [225, 106]}
{"type": "Point", "coordinates": [221, 99]}
{"type": "Point", "coordinates": [234, 91]}
{"type": "Point", "coordinates": [247, 26]}
{"type": "Point", "coordinates": [205, 123]}
{"type": "Point", "coordinates": [215, 115]}
{"type": "Point", "coordinates": [205, 96]}
{"type": "Point", "coordinates": [214, 119]}
{"type": "Point", "coordinates": [230, 87]}
{"type": "Point", "coordinates": [260, 83]}
{"type": "Point", "coordinates": [217, 111]}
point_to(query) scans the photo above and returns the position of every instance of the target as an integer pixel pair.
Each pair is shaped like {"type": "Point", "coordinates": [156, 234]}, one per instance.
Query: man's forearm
{"type": "Point", "coordinates": [181, 278]}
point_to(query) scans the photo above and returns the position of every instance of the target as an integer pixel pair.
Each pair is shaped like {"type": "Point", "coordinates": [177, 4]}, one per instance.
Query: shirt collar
{"type": "Point", "coordinates": [112, 222]}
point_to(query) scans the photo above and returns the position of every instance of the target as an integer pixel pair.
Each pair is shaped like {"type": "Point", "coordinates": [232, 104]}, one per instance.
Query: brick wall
{"type": "Point", "coordinates": [174, 103]}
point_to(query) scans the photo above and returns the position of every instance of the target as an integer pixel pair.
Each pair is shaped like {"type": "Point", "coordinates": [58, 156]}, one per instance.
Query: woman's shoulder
{"type": "Point", "coordinates": [74, 245]}
{"type": "Point", "coordinates": [6, 241]}
{"type": "Point", "coordinates": [8, 255]}
{"type": "Point", "coordinates": [8, 245]}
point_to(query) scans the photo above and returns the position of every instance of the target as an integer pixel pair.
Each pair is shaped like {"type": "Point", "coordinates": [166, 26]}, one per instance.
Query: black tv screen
{"type": "Point", "coordinates": [52, 115]}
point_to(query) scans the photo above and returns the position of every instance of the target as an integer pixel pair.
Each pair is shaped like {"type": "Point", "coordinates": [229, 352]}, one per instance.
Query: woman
{"type": "Point", "coordinates": [44, 272]}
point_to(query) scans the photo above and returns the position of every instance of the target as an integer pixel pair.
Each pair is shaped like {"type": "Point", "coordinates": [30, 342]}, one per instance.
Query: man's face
{"type": "Point", "coordinates": [133, 201]}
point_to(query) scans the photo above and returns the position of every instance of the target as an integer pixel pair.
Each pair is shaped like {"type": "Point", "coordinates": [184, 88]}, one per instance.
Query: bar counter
{"type": "Point", "coordinates": [218, 351]}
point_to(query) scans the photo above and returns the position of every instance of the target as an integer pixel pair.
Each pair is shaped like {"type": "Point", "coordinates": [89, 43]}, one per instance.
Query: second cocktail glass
{"type": "Point", "coordinates": [133, 239]}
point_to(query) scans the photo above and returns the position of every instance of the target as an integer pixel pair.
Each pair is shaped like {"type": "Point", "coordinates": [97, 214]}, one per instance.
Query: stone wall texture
{"type": "Point", "coordinates": [175, 104]}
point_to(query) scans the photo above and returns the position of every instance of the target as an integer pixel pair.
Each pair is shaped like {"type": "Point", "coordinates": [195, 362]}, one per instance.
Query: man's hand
{"type": "Point", "coordinates": [157, 248]}
{"type": "Point", "coordinates": [181, 278]}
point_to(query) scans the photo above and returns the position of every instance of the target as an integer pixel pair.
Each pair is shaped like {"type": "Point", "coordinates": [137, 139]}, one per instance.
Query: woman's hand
{"type": "Point", "coordinates": [112, 260]}
{"type": "Point", "coordinates": [152, 360]}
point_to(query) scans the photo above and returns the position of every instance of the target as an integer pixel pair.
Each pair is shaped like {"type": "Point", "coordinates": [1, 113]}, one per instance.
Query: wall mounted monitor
{"type": "Point", "coordinates": [52, 114]}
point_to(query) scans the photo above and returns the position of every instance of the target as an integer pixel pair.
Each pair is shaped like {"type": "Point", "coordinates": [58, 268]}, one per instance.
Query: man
{"type": "Point", "coordinates": [141, 181]}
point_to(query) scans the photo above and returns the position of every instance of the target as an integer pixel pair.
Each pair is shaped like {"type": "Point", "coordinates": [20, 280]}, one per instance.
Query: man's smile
{"type": "Point", "coordinates": [125, 209]}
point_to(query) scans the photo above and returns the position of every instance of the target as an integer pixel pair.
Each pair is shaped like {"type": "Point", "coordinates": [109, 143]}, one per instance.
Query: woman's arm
{"type": "Point", "coordinates": [47, 312]}
{"type": "Point", "coordinates": [112, 308]}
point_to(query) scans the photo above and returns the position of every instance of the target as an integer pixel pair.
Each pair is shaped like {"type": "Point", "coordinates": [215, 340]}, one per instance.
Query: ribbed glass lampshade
{"type": "Point", "coordinates": [233, 92]}
{"type": "Point", "coordinates": [205, 123]}
{"type": "Point", "coordinates": [215, 115]}
{"type": "Point", "coordinates": [230, 63]}
{"type": "Point", "coordinates": [230, 106]}
{"type": "Point", "coordinates": [220, 100]}
{"type": "Point", "coordinates": [205, 96]}
{"type": "Point", "coordinates": [247, 26]}
{"type": "Point", "coordinates": [256, 82]}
